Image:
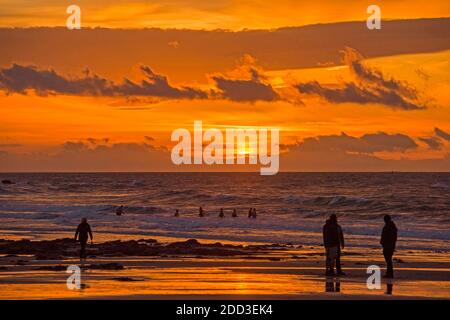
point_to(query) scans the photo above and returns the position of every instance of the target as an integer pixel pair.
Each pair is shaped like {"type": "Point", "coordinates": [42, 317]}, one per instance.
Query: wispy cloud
{"type": "Point", "coordinates": [369, 86]}
{"type": "Point", "coordinates": [442, 134]}
{"type": "Point", "coordinates": [20, 79]}
{"type": "Point", "coordinates": [253, 89]}
{"type": "Point", "coordinates": [367, 144]}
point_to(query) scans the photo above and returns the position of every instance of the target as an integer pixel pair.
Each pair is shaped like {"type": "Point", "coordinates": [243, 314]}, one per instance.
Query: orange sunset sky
{"type": "Point", "coordinates": [108, 96]}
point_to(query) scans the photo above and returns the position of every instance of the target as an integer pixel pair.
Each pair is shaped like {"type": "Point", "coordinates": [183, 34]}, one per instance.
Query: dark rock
{"type": "Point", "coordinates": [106, 266]}
{"type": "Point", "coordinates": [43, 256]}
{"type": "Point", "coordinates": [6, 181]}
{"type": "Point", "coordinates": [127, 279]}
{"type": "Point", "coordinates": [187, 243]}
{"type": "Point", "coordinates": [52, 268]}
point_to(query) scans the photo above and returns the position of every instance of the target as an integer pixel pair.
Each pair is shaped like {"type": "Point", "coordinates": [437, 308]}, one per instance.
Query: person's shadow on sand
{"type": "Point", "coordinates": [332, 284]}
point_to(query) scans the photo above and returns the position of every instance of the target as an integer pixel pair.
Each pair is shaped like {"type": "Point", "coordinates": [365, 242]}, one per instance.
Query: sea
{"type": "Point", "coordinates": [291, 207]}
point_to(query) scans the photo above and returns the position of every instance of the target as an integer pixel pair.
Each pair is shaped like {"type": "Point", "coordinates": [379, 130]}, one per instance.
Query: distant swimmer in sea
{"type": "Point", "coordinates": [119, 211]}
{"type": "Point", "coordinates": [177, 213]}
{"type": "Point", "coordinates": [388, 242]}
{"type": "Point", "coordinates": [254, 213]}
{"type": "Point", "coordinates": [221, 214]}
{"type": "Point", "coordinates": [82, 235]}
{"type": "Point", "coordinates": [234, 215]}
{"type": "Point", "coordinates": [201, 213]}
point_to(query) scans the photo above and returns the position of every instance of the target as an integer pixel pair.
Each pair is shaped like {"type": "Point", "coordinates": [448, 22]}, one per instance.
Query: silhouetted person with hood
{"type": "Point", "coordinates": [83, 232]}
{"type": "Point", "coordinates": [333, 239]}
{"type": "Point", "coordinates": [388, 241]}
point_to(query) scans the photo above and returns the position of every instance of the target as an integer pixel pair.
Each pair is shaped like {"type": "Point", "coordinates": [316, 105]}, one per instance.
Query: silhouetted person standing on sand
{"type": "Point", "coordinates": [388, 241]}
{"type": "Point", "coordinates": [221, 214]}
{"type": "Point", "coordinates": [119, 211]}
{"type": "Point", "coordinates": [254, 213]}
{"type": "Point", "coordinates": [234, 215]}
{"type": "Point", "coordinates": [200, 212]}
{"type": "Point", "coordinates": [83, 232]}
{"type": "Point", "coordinates": [250, 212]}
{"type": "Point", "coordinates": [341, 246]}
{"type": "Point", "coordinates": [177, 213]}
{"type": "Point", "coordinates": [333, 239]}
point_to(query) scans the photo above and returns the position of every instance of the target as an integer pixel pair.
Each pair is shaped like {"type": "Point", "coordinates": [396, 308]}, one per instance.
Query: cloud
{"type": "Point", "coordinates": [246, 90]}
{"type": "Point", "coordinates": [442, 134]}
{"type": "Point", "coordinates": [345, 153]}
{"type": "Point", "coordinates": [432, 142]}
{"type": "Point", "coordinates": [366, 144]}
{"type": "Point", "coordinates": [254, 88]}
{"type": "Point", "coordinates": [20, 79]}
{"type": "Point", "coordinates": [370, 86]}
{"type": "Point", "coordinates": [435, 142]}
{"type": "Point", "coordinates": [75, 156]}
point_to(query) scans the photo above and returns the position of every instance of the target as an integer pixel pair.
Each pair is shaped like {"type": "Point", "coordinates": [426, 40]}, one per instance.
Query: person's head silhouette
{"type": "Point", "coordinates": [333, 218]}
{"type": "Point", "coordinates": [387, 218]}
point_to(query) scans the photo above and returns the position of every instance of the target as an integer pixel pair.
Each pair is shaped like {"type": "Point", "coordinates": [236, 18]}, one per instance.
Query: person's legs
{"type": "Point", "coordinates": [333, 256]}
{"type": "Point", "coordinates": [389, 266]}
{"type": "Point", "coordinates": [338, 261]}
{"type": "Point", "coordinates": [83, 250]}
{"type": "Point", "coordinates": [327, 260]}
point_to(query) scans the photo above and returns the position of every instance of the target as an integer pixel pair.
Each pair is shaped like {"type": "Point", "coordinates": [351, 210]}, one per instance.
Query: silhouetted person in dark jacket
{"type": "Point", "coordinates": [333, 239]}
{"type": "Point", "coordinates": [83, 232]}
{"type": "Point", "coordinates": [388, 241]}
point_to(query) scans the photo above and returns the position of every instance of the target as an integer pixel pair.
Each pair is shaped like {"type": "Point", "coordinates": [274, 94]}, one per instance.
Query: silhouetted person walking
{"type": "Point", "coordinates": [250, 212]}
{"type": "Point", "coordinates": [254, 213]}
{"type": "Point", "coordinates": [82, 234]}
{"type": "Point", "coordinates": [201, 213]}
{"type": "Point", "coordinates": [388, 241]}
{"type": "Point", "coordinates": [333, 239]}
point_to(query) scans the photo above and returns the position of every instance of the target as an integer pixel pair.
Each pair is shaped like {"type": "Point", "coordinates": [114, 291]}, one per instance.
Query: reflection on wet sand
{"type": "Point", "coordinates": [332, 284]}
{"type": "Point", "coordinates": [150, 278]}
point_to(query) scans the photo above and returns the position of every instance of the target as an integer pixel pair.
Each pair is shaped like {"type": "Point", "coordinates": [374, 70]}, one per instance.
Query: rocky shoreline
{"type": "Point", "coordinates": [68, 248]}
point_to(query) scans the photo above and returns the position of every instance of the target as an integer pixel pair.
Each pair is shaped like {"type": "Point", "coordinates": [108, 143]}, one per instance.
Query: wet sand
{"type": "Point", "coordinates": [266, 272]}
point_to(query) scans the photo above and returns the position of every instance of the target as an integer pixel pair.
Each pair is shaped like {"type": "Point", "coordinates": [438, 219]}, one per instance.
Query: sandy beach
{"type": "Point", "coordinates": [194, 270]}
